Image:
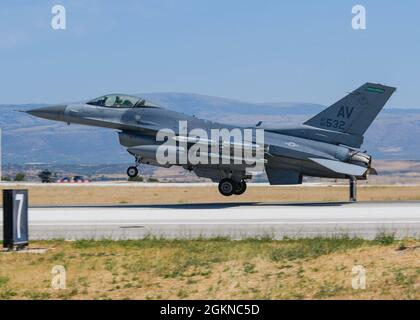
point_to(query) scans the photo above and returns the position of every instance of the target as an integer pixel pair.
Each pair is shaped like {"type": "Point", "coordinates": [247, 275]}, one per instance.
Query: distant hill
{"type": "Point", "coordinates": [394, 135]}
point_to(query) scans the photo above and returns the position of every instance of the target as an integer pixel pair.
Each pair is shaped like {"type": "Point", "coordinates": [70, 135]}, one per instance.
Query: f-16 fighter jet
{"type": "Point", "coordinates": [327, 145]}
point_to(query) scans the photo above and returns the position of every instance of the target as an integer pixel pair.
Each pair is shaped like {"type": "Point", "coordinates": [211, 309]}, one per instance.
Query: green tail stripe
{"type": "Point", "coordinates": [373, 89]}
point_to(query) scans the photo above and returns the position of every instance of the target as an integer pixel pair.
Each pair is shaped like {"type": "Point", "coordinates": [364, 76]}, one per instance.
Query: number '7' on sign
{"type": "Point", "coordinates": [19, 197]}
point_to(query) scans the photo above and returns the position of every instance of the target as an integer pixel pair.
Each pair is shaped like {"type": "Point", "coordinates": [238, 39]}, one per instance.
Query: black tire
{"type": "Point", "coordinates": [240, 188]}
{"type": "Point", "coordinates": [226, 187]}
{"type": "Point", "coordinates": [132, 172]}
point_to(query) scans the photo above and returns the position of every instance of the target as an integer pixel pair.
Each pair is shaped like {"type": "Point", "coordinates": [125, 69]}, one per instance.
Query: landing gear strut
{"type": "Point", "coordinates": [228, 187]}
{"type": "Point", "coordinates": [353, 189]}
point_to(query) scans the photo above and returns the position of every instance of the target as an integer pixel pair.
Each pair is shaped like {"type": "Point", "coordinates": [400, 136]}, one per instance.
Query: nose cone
{"type": "Point", "coordinates": [51, 112]}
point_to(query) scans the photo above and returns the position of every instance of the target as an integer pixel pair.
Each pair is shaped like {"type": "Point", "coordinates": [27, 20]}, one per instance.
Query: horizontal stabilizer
{"type": "Point", "coordinates": [341, 167]}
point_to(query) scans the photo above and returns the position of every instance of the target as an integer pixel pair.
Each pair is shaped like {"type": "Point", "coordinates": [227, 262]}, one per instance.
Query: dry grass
{"type": "Point", "coordinates": [215, 269]}
{"type": "Point", "coordinates": [137, 194]}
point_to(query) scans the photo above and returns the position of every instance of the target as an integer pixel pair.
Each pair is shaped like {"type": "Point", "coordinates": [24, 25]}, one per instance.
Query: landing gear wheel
{"type": "Point", "coordinates": [240, 187]}
{"type": "Point", "coordinates": [226, 187]}
{"type": "Point", "coordinates": [132, 172]}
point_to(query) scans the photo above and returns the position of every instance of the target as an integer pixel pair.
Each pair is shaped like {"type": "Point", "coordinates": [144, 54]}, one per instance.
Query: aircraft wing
{"type": "Point", "coordinates": [341, 167]}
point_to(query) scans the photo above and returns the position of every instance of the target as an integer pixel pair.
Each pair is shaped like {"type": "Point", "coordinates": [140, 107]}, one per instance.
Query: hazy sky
{"type": "Point", "coordinates": [263, 51]}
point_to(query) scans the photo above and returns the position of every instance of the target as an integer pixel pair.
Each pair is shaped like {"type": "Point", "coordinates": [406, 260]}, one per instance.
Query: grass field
{"type": "Point", "coordinates": [138, 194]}
{"type": "Point", "coordinates": [215, 269]}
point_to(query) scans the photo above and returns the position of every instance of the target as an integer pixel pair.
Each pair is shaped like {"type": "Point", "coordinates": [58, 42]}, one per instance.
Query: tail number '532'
{"type": "Point", "coordinates": [331, 123]}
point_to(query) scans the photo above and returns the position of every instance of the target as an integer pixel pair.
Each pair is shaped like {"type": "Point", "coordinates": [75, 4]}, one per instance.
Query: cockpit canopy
{"type": "Point", "coordinates": [121, 101]}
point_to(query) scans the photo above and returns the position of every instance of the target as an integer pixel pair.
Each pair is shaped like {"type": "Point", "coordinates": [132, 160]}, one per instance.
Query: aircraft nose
{"type": "Point", "coordinates": [51, 112]}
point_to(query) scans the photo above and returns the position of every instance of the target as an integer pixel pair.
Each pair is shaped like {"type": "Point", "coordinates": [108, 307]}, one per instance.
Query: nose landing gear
{"type": "Point", "coordinates": [228, 187]}
{"type": "Point", "coordinates": [132, 171]}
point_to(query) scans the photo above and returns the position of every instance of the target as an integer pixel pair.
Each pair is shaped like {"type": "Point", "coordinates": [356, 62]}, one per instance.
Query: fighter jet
{"type": "Point", "coordinates": [327, 145]}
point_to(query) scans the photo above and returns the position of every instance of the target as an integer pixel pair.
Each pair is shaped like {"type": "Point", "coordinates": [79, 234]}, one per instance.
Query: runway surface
{"type": "Point", "coordinates": [233, 220]}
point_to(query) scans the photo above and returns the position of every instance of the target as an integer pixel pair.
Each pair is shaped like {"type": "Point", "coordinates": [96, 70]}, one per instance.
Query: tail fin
{"type": "Point", "coordinates": [355, 112]}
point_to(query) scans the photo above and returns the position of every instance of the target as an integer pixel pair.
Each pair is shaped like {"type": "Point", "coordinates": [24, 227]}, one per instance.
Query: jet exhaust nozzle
{"type": "Point", "coordinates": [361, 159]}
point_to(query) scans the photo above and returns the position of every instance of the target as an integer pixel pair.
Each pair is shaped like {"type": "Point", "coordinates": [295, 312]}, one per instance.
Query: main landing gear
{"type": "Point", "coordinates": [228, 187]}
{"type": "Point", "coordinates": [132, 171]}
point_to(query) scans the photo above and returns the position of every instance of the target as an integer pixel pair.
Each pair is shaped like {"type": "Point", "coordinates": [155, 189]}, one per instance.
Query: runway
{"type": "Point", "coordinates": [233, 220]}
